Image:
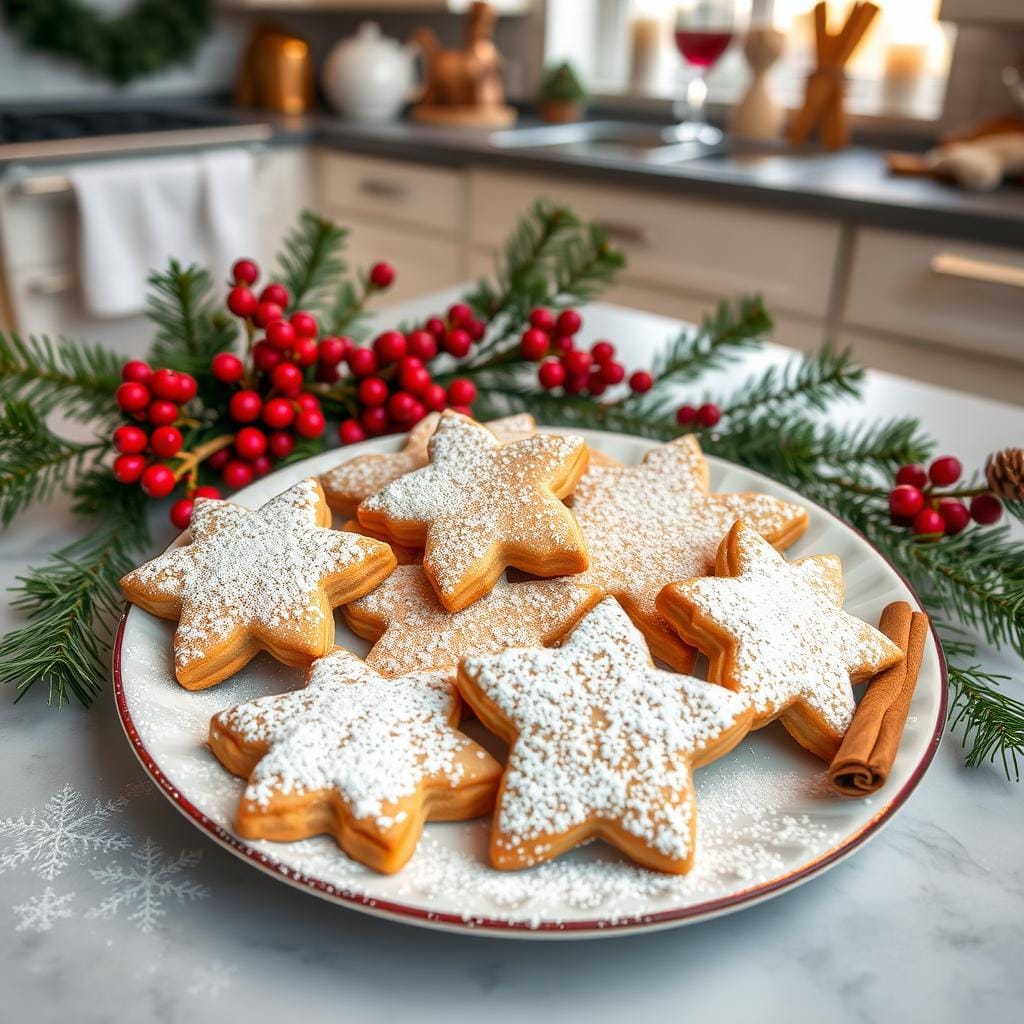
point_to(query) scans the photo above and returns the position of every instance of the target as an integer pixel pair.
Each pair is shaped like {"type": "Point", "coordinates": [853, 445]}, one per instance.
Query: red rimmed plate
{"type": "Point", "coordinates": [768, 822]}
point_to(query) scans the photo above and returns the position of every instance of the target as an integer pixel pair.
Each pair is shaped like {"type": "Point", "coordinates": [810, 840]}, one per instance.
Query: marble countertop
{"type": "Point", "coordinates": [114, 908]}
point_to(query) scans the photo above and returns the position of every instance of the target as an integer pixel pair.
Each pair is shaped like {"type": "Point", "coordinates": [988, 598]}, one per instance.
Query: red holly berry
{"type": "Point", "coordinates": [207, 491]}
{"type": "Point", "coordinates": [187, 388]}
{"type": "Point", "coordinates": [574, 383]}
{"type": "Point", "coordinates": [361, 361]}
{"type": "Point", "coordinates": [435, 397]}
{"type": "Point", "coordinates": [237, 474]}
{"type": "Point", "coordinates": [181, 513]}
{"type": "Point", "coordinates": [310, 423]}
{"type": "Point", "coordinates": [332, 350]}
{"type": "Point", "coordinates": [477, 329]}
{"type": "Point", "coordinates": [414, 377]}
{"type": "Point", "coordinates": [436, 326]}
{"type": "Point", "coordinates": [708, 414]}
{"type": "Point", "coordinates": [534, 344]}
{"type": "Point", "coordinates": [157, 481]}
{"type": "Point", "coordinates": [568, 322]}
{"type": "Point", "coordinates": [401, 406]}
{"type": "Point", "coordinates": [912, 474]}
{"type": "Point", "coordinates": [613, 373]}
{"type": "Point", "coordinates": [641, 381]}
{"type": "Point", "coordinates": [596, 383]}
{"type": "Point", "coordinates": [166, 442]}
{"type": "Point", "coordinates": [324, 374]}
{"type": "Point", "coordinates": [131, 396]}
{"type": "Point", "coordinates": [304, 351]}
{"type": "Point", "coordinates": [164, 384]}
{"type": "Point", "coordinates": [281, 443]}
{"type": "Point", "coordinates": [136, 371]}
{"type": "Point", "coordinates": [276, 293]}
{"type": "Point", "coordinates": [287, 378]}
{"type": "Point", "coordinates": [351, 432]}
{"type": "Point", "coordinates": [278, 413]}
{"type": "Point", "coordinates": [219, 459]}
{"type": "Point", "coordinates": [986, 509]}
{"type": "Point", "coordinates": [305, 324]}
{"type": "Point", "coordinates": [390, 347]}
{"type": "Point", "coordinates": [927, 521]}
{"type": "Point", "coordinates": [267, 313]}
{"type": "Point", "coordinates": [457, 342]}
{"type": "Point", "coordinates": [372, 391]}
{"type": "Point", "coordinates": [130, 440]}
{"type": "Point", "coordinates": [375, 420]}
{"type": "Point", "coordinates": [563, 343]}
{"type": "Point", "coordinates": [227, 368]}
{"type": "Point", "coordinates": [305, 400]}
{"type": "Point", "coordinates": [551, 374]}
{"type": "Point", "coordinates": [542, 319]}
{"type": "Point", "coordinates": [242, 302]}
{"type": "Point", "coordinates": [954, 514]}
{"type": "Point", "coordinates": [602, 351]}
{"type": "Point", "coordinates": [161, 412]}
{"type": "Point", "coordinates": [245, 271]}
{"type": "Point", "coordinates": [945, 471]}
{"type": "Point", "coordinates": [262, 465]}
{"type": "Point", "coordinates": [421, 344]}
{"type": "Point", "coordinates": [250, 442]}
{"type": "Point", "coordinates": [128, 468]}
{"type": "Point", "coordinates": [265, 357]}
{"type": "Point", "coordinates": [281, 334]}
{"type": "Point", "coordinates": [460, 315]}
{"type": "Point", "coordinates": [577, 363]}
{"type": "Point", "coordinates": [685, 415]}
{"type": "Point", "coordinates": [905, 501]}
{"type": "Point", "coordinates": [462, 391]}
{"type": "Point", "coordinates": [245, 406]}
{"type": "Point", "coordinates": [382, 275]}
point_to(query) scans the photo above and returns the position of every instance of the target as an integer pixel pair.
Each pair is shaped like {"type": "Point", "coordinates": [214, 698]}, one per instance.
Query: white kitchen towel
{"type": "Point", "coordinates": [135, 215]}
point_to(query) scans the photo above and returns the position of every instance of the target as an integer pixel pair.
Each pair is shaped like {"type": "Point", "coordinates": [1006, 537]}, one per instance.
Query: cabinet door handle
{"type": "Point", "coordinates": [382, 189]}
{"type": "Point", "coordinates": [620, 231]}
{"type": "Point", "coordinates": [55, 284]}
{"type": "Point", "coordinates": [966, 268]}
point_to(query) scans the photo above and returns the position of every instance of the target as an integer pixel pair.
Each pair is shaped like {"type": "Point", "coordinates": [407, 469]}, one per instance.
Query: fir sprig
{"type": "Point", "coordinates": [310, 262]}
{"type": "Point", "coordinates": [78, 377]}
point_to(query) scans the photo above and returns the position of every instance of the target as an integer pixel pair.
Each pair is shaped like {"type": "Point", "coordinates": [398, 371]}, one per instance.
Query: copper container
{"type": "Point", "coordinates": [276, 73]}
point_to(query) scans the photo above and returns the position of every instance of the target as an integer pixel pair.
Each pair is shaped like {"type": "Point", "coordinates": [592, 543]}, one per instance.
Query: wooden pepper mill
{"type": "Point", "coordinates": [464, 87]}
{"type": "Point", "coordinates": [757, 115]}
{"type": "Point", "coordinates": [823, 102]}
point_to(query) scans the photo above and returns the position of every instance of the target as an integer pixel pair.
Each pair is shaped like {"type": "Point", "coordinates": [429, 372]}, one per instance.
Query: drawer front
{"type": "Point", "coordinates": [423, 263]}
{"type": "Point", "coordinates": [942, 292]}
{"type": "Point", "coordinates": [716, 250]}
{"type": "Point", "coordinates": [38, 229]}
{"type": "Point", "coordinates": [393, 191]}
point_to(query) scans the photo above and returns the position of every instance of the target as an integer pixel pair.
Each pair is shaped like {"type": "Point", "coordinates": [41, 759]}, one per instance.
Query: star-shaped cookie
{"type": "Point", "coordinates": [776, 632]}
{"type": "Point", "coordinates": [364, 758]}
{"type": "Point", "coordinates": [250, 580]}
{"type": "Point", "coordinates": [412, 631]}
{"type": "Point", "coordinates": [602, 744]}
{"type": "Point", "coordinates": [349, 483]}
{"type": "Point", "coordinates": [656, 523]}
{"type": "Point", "coordinates": [480, 506]}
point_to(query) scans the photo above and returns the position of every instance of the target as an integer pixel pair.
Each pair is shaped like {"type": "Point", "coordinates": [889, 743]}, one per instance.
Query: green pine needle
{"type": "Point", "coordinates": [310, 263]}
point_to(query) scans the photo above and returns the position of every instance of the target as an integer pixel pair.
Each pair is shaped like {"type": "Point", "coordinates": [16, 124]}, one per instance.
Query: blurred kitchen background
{"type": "Point", "coordinates": [903, 238]}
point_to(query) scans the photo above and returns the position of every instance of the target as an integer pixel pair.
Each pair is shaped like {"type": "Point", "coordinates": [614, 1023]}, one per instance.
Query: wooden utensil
{"type": "Point", "coordinates": [823, 100]}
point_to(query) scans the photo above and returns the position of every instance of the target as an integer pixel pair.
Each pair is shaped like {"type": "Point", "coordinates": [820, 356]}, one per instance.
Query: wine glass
{"type": "Point", "coordinates": [704, 29]}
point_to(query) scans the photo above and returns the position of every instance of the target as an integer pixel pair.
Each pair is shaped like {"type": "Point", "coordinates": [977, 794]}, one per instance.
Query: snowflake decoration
{"type": "Point", "coordinates": [38, 913]}
{"type": "Point", "coordinates": [146, 883]}
{"type": "Point", "coordinates": [66, 829]}
{"type": "Point", "coordinates": [210, 980]}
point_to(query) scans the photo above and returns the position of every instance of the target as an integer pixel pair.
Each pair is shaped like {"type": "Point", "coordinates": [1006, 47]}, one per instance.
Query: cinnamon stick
{"type": "Point", "coordinates": [869, 748]}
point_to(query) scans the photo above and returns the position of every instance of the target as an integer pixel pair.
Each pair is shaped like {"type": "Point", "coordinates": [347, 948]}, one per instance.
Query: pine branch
{"type": "Point", "coordinates": [993, 723]}
{"type": "Point", "coordinates": [348, 315]}
{"type": "Point", "coordinates": [77, 377]}
{"type": "Point", "coordinates": [584, 266]}
{"type": "Point", "coordinates": [191, 326]}
{"type": "Point", "coordinates": [310, 261]}
{"type": "Point", "coordinates": [34, 461]}
{"type": "Point", "coordinates": [73, 599]}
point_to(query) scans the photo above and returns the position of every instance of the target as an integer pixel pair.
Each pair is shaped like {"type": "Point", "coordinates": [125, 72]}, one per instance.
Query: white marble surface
{"type": "Point", "coordinates": [925, 923]}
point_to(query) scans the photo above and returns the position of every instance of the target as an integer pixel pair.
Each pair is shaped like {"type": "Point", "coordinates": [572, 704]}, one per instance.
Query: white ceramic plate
{"type": "Point", "coordinates": [767, 819]}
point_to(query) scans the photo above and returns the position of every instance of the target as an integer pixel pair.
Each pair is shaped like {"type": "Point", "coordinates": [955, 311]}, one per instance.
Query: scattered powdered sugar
{"type": "Point", "coordinates": [477, 493]}
{"type": "Point", "coordinates": [373, 740]}
{"type": "Point", "coordinates": [250, 569]}
{"type": "Point", "coordinates": [418, 633]}
{"type": "Point", "coordinates": [793, 641]}
{"type": "Point", "coordinates": [655, 523]}
{"type": "Point", "coordinates": [601, 734]}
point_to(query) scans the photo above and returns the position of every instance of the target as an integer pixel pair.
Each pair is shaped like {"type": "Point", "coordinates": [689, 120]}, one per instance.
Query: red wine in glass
{"type": "Point", "coordinates": [701, 47]}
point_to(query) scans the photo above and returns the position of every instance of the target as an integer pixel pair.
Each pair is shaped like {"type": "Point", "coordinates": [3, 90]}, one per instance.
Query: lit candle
{"type": "Point", "coordinates": [648, 40]}
{"type": "Point", "coordinates": [904, 65]}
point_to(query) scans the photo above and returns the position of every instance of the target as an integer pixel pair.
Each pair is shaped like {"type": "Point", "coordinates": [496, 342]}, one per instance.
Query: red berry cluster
{"type": "Point", "coordinates": [152, 400]}
{"type": "Point", "coordinates": [916, 502]}
{"type": "Point", "coordinates": [706, 415]}
{"type": "Point", "coordinates": [551, 341]}
{"type": "Point", "coordinates": [395, 387]}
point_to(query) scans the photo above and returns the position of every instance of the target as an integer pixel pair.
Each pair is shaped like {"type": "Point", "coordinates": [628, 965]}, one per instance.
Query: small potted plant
{"type": "Point", "coordinates": [561, 96]}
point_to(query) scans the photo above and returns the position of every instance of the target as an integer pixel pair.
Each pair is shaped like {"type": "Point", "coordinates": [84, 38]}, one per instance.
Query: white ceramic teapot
{"type": "Point", "coordinates": [368, 77]}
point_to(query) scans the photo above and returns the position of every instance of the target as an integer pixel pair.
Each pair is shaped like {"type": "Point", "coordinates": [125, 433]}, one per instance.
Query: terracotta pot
{"type": "Point", "coordinates": [560, 111]}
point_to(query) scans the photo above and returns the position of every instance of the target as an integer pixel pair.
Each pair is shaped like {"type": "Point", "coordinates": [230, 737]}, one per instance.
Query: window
{"type": "Point", "coordinates": [624, 48]}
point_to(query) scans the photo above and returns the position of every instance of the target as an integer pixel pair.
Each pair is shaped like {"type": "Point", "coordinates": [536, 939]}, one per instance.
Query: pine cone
{"type": "Point", "coordinates": [1004, 473]}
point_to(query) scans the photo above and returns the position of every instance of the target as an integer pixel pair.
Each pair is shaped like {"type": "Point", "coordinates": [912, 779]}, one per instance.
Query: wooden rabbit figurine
{"type": "Point", "coordinates": [464, 87]}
